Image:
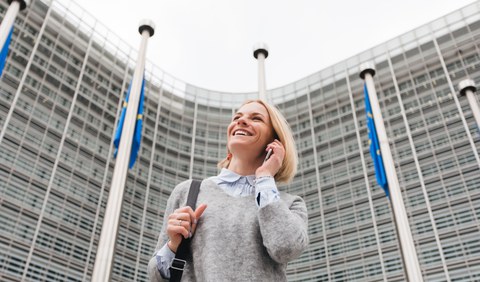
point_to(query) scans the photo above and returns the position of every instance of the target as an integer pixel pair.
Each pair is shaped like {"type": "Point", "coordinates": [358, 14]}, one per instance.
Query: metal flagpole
{"type": "Point", "coordinates": [5, 28]}
{"type": "Point", "coordinates": [467, 88]}
{"type": "Point", "coordinates": [10, 15]}
{"type": "Point", "coordinates": [260, 52]}
{"type": "Point", "coordinates": [407, 244]}
{"type": "Point", "coordinates": [106, 246]}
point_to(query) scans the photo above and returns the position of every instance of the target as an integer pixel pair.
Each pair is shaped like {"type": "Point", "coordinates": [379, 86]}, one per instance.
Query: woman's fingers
{"type": "Point", "coordinates": [183, 221]}
{"type": "Point", "coordinates": [184, 213]}
{"type": "Point", "coordinates": [179, 223]}
{"type": "Point", "coordinates": [176, 227]}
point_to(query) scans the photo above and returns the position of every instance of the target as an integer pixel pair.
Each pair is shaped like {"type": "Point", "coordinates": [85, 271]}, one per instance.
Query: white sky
{"type": "Point", "coordinates": [208, 43]}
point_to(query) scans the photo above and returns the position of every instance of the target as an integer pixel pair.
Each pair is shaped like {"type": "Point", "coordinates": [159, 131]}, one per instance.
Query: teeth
{"type": "Point", "coordinates": [241, 132]}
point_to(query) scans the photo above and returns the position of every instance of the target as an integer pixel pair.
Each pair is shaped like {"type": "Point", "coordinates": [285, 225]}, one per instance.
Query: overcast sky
{"type": "Point", "coordinates": [208, 43]}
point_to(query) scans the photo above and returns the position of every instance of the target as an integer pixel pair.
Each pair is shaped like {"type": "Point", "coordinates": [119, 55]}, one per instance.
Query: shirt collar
{"type": "Point", "coordinates": [229, 176]}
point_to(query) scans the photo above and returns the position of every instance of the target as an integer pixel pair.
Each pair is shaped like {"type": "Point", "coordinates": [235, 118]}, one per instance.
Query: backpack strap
{"type": "Point", "coordinates": [183, 251]}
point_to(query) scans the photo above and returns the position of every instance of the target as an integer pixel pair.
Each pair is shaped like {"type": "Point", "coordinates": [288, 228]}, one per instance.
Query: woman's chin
{"type": "Point", "coordinates": [245, 149]}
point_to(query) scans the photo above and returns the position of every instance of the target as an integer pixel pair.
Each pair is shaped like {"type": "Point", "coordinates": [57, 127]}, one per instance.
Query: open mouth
{"type": "Point", "coordinates": [241, 133]}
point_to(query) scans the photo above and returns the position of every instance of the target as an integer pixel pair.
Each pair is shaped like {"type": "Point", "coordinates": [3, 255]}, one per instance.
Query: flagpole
{"type": "Point", "coordinates": [260, 52]}
{"type": "Point", "coordinates": [106, 247]}
{"type": "Point", "coordinates": [467, 88]}
{"type": "Point", "coordinates": [407, 244]}
{"type": "Point", "coordinates": [9, 19]}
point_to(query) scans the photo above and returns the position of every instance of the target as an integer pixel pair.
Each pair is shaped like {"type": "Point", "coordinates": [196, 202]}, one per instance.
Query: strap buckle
{"type": "Point", "coordinates": [178, 264]}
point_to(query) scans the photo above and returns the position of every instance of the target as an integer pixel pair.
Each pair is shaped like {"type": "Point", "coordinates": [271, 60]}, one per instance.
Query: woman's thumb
{"type": "Point", "coordinates": [199, 211]}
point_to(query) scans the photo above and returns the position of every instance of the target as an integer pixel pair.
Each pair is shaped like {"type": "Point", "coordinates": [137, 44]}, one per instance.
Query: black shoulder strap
{"type": "Point", "coordinates": [183, 251]}
{"type": "Point", "coordinates": [193, 193]}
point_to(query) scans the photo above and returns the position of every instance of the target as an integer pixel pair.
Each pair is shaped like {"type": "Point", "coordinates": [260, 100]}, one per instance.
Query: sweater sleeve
{"type": "Point", "coordinates": [176, 200]}
{"type": "Point", "coordinates": [283, 226]}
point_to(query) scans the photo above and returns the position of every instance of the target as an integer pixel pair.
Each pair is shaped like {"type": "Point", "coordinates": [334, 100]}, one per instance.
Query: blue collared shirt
{"type": "Point", "coordinates": [235, 185]}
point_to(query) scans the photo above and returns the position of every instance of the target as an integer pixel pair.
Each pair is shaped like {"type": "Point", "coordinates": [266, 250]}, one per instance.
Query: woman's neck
{"type": "Point", "coordinates": [243, 167]}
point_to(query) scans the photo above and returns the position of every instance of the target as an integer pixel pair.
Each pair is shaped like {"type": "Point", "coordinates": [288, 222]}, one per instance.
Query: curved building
{"type": "Point", "coordinates": [60, 96]}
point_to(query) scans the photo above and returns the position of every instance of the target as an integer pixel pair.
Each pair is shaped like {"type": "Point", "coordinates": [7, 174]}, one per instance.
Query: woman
{"type": "Point", "coordinates": [244, 228]}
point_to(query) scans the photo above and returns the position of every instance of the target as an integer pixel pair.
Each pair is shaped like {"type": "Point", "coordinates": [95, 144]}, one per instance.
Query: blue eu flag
{"type": "Point", "coordinates": [137, 136]}
{"type": "Point", "coordinates": [375, 146]}
{"type": "Point", "coordinates": [4, 52]}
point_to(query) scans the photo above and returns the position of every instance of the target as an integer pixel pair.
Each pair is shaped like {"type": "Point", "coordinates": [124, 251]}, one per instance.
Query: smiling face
{"type": "Point", "coordinates": [250, 130]}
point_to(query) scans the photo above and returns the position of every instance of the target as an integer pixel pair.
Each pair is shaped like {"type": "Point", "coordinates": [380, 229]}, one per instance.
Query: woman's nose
{"type": "Point", "coordinates": [242, 121]}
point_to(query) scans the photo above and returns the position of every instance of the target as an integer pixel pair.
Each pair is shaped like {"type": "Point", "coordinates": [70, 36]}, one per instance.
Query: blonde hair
{"type": "Point", "coordinates": [284, 134]}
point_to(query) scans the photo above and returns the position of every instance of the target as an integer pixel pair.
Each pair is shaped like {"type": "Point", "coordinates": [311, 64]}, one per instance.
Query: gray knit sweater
{"type": "Point", "coordinates": [237, 241]}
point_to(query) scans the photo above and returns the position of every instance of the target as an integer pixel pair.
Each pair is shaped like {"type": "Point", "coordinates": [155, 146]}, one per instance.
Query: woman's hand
{"type": "Point", "coordinates": [271, 166]}
{"type": "Point", "coordinates": [182, 224]}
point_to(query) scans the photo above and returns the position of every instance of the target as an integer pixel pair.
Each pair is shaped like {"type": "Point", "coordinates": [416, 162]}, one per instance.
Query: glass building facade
{"type": "Point", "coordinates": [60, 96]}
